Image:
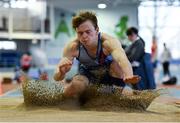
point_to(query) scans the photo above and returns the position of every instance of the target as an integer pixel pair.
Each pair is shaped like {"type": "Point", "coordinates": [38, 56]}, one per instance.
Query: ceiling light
{"type": "Point", "coordinates": [102, 6]}
{"type": "Point", "coordinates": [8, 45]}
{"type": "Point", "coordinates": [34, 41]}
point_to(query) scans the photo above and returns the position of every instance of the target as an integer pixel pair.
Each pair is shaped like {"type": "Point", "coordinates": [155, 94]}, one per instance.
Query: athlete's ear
{"type": "Point", "coordinates": [97, 29]}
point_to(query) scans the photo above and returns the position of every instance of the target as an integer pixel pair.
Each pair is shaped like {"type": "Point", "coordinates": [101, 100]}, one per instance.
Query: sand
{"type": "Point", "coordinates": [13, 109]}
{"type": "Point", "coordinates": [139, 107]}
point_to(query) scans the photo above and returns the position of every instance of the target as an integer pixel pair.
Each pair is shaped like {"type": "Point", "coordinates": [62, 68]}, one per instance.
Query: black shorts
{"type": "Point", "coordinates": [101, 76]}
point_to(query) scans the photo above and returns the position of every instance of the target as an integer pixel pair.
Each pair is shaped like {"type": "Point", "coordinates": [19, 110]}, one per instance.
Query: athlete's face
{"type": "Point", "coordinates": [87, 34]}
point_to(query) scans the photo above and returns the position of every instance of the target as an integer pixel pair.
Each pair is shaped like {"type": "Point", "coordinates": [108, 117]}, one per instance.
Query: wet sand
{"type": "Point", "coordinates": [13, 109]}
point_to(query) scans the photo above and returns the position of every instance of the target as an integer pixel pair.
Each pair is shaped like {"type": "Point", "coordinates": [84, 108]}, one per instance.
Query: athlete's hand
{"type": "Point", "coordinates": [132, 80]}
{"type": "Point", "coordinates": [44, 76]}
{"type": "Point", "coordinates": [64, 65]}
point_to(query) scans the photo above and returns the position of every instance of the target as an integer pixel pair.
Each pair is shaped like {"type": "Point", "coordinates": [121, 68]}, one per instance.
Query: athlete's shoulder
{"type": "Point", "coordinates": [105, 36]}
{"type": "Point", "coordinates": [71, 47]}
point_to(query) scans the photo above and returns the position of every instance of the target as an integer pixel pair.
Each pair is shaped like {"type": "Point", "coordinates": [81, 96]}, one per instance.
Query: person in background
{"type": "Point", "coordinates": [25, 62]}
{"type": "Point", "coordinates": [136, 50]}
{"type": "Point", "coordinates": [18, 73]}
{"type": "Point", "coordinates": [154, 51]}
{"type": "Point", "coordinates": [140, 61]}
{"type": "Point", "coordinates": [165, 60]}
{"type": "Point", "coordinates": [102, 59]}
{"type": "Point", "coordinates": [43, 74]}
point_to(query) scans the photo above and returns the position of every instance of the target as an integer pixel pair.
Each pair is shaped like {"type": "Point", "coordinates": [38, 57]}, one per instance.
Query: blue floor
{"type": "Point", "coordinates": [174, 93]}
{"type": "Point", "coordinates": [13, 93]}
{"type": "Point", "coordinates": [174, 70]}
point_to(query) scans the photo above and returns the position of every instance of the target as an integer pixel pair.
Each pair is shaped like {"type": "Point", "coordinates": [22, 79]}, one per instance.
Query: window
{"type": "Point", "coordinates": [162, 19]}
{"type": "Point", "coordinates": [8, 45]}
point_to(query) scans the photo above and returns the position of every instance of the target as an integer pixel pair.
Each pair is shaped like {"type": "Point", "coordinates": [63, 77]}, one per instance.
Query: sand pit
{"type": "Point", "coordinates": [13, 109]}
{"type": "Point", "coordinates": [93, 106]}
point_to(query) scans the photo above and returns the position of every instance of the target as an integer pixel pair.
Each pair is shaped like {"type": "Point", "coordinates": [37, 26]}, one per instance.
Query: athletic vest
{"type": "Point", "coordinates": [90, 63]}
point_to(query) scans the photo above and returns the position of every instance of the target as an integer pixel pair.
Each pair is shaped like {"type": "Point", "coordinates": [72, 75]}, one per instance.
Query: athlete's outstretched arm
{"type": "Point", "coordinates": [115, 49]}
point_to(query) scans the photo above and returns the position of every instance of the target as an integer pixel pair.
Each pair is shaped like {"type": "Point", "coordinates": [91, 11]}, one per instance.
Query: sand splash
{"type": "Point", "coordinates": [46, 93]}
{"type": "Point", "coordinates": [92, 99]}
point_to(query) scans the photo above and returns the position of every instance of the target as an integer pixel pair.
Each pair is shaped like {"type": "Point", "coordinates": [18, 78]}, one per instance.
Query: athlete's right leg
{"type": "Point", "coordinates": [78, 84]}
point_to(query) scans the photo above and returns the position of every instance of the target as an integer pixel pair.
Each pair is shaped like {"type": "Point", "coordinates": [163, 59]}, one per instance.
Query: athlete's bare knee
{"type": "Point", "coordinates": [76, 86]}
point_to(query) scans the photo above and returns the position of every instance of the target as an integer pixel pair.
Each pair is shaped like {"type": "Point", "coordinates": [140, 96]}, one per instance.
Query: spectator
{"type": "Point", "coordinates": [154, 52]}
{"type": "Point", "coordinates": [26, 60]}
{"type": "Point", "coordinates": [140, 61]}
{"type": "Point", "coordinates": [165, 60]}
{"type": "Point", "coordinates": [136, 50]}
